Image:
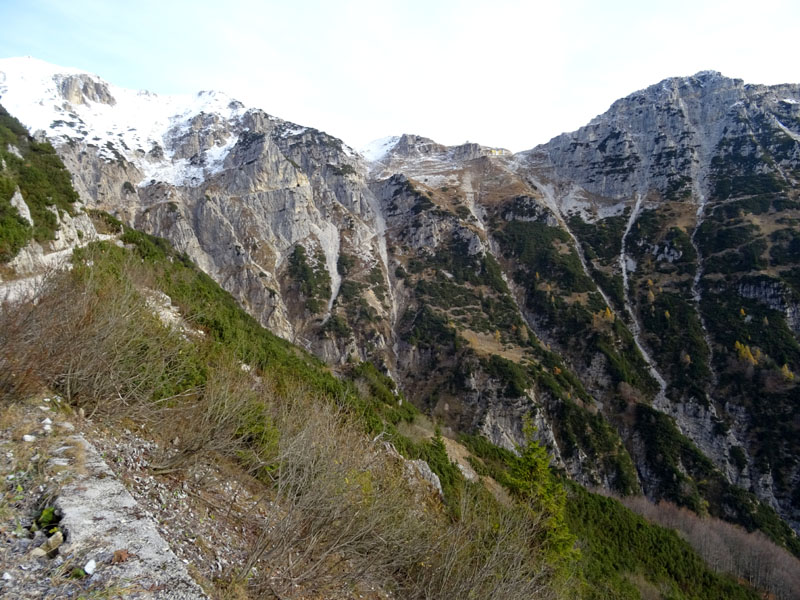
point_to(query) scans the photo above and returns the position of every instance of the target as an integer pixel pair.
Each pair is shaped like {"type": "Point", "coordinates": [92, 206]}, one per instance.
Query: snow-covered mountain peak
{"type": "Point", "coordinates": [25, 76]}
{"type": "Point", "coordinates": [143, 128]}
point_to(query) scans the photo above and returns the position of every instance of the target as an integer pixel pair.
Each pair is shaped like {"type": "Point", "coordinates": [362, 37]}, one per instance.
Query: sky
{"type": "Point", "coordinates": [502, 73]}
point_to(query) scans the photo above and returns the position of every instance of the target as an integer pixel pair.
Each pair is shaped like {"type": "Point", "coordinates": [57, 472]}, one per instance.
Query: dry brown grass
{"type": "Point", "coordinates": [98, 345]}
{"type": "Point", "coordinates": [341, 510]}
{"type": "Point", "coordinates": [30, 478]}
{"type": "Point", "coordinates": [486, 344]}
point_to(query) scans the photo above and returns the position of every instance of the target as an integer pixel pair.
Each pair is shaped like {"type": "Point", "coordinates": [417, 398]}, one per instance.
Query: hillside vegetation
{"type": "Point", "coordinates": [33, 169]}
{"type": "Point", "coordinates": [136, 337]}
{"type": "Point", "coordinates": [344, 509]}
{"type": "Point", "coordinates": [340, 497]}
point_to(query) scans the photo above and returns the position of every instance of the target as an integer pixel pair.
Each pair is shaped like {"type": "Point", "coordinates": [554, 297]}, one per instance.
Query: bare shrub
{"type": "Point", "coordinates": [488, 553]}
{"type": "Point", "coordinates": [340, 509]}
{"type": "Point", "coordinates": [18, 357]}
{"type": "Point", "coordinates": [93, 339]}
{"type": "Point", "coordinates": [225, 417]}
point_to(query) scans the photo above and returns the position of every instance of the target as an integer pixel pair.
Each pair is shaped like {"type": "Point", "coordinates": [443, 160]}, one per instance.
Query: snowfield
{"type": "Point", "coordinates": [378, 149]}
{"type": "Point", "coordinates": [130, 125]}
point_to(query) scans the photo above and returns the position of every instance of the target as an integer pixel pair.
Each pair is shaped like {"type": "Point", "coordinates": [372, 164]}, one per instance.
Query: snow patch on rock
{"type": "Point", "coordinates": [378, 149]}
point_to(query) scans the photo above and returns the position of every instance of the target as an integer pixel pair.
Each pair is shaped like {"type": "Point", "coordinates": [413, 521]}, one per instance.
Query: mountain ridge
{"type": "Point", "coordinates": [491, 286]}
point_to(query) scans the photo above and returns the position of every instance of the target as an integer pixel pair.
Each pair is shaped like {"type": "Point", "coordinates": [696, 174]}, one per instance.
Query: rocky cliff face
{"type": "Point", "coordinates": [684, 196]}
{"type": "Point", "coordinates": [632, 287]}
{"type": "Point", "coordinates": [235, 188]}
{"type": "Point", "coordinates": [667, 137]}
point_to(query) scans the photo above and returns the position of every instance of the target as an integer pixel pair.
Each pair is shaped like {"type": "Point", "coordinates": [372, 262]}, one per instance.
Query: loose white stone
{"type": "Point", "coordinates": [28, 438]}
{"type": "Point", "coordinates": [90, 567]}
{"type": "Point", "coordinates": [7, 576]}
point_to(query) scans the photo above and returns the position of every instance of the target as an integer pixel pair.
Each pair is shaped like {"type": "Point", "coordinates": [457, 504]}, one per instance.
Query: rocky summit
{"type": "Point", "coordinates": [633, 286]}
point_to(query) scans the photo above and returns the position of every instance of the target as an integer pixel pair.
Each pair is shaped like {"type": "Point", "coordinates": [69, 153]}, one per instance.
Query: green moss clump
{"type": "Point", "coordinates": [47, 518]}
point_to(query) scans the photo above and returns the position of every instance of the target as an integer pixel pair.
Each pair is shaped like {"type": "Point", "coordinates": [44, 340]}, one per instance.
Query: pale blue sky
{"type": "Point", "coordinates": [499, 72]}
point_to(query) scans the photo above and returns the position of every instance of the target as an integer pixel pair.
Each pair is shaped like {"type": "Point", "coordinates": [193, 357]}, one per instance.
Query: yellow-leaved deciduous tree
{"type": "Point", "coordinates": [787, 372]}
{"type": "Point", "coordinates": [604, 316]}
{"type": "Point", "coordinates": [745, 353]}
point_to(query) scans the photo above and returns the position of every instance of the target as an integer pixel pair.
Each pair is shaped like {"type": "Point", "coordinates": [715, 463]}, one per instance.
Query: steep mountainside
{"type": "Point", "coordinates": [684, 198]}
{"type": "Point", "coordinates": [632, 286]}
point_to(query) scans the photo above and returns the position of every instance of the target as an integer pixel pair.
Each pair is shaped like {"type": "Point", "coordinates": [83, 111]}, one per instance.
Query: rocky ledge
{"type": "Point", "coordinates": [69, 526]}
